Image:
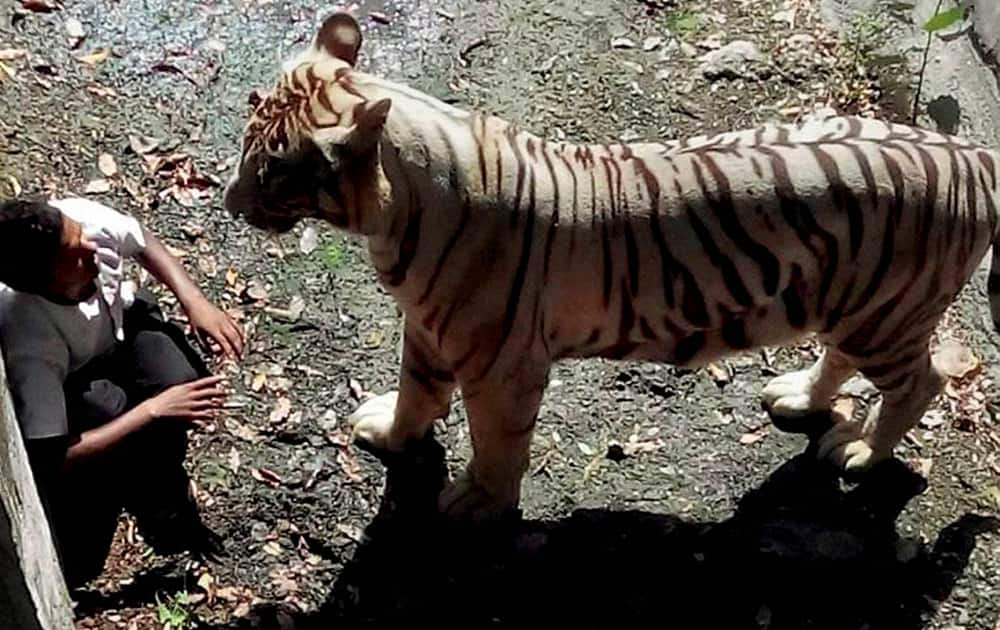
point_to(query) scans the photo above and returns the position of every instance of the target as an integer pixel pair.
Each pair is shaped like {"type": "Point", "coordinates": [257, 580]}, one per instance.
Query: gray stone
{"type": "Point", "coordinates": [730, 61]}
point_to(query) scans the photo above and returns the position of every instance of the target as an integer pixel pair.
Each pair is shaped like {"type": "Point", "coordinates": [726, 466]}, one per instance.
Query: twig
{"type": "Point", "coordinates": [923, 69]}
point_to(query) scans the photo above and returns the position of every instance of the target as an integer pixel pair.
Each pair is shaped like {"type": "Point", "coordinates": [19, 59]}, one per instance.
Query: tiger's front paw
{"type": "Point", "coordinates": [465, 499]}
{"type": "Point", "coordinates": [372, 423]}
{"type": "Point", "coordinates": [791, 396]}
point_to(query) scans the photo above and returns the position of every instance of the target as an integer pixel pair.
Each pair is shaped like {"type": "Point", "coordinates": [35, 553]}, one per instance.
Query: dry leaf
{"type": "Point", "coordinates": [932, 419]}
{"type": "Point", "coordinates": [231, 276]}
{"type": "Point", "coordinates": [7, 71]}
{"type": "Point", "coordinates": [272, 549]}
{"type": "Point", "coordinates": [15, 186]}
{"type": "Point", "coordinates": [350, 466]}
{"type": "Point", "coordinates": [309, 240]}
{"type": "Point", "coordinates": [207, 583]}
{"type": "Point", "coordinates": [281, 410]}
{"type": "Point", "coordinates": [102, 91]}
{"type": "Point", "coordinates": [95, 57]}
{"type": "Point", "coordinates": [41, 6]}
{"type": "Point", "coordinates": [258, 381]}
{"type": "Point", "coordinates": [585, 449]}
{"type": "Point", "coordinates": [956, 360]}
{"type": "Point", "coordinates": [106, 164]}
{"type": "Point", "coordinates": [256, 291]}
{"type": "Point", "coordinates": [266, 476]}
{"type": "Point", "coordinates": [754, 436]}
{"type": "Point", "coordinates": [10, 54]}
{"type": "Point", "coordinates": [143, 144]}
{"type": "Point", "coordinates": [97, 186]}
{"type": "Point", "coordinates": [192, 230]}
{"type": "Point", "coordinates": [243, 431]}
{"type": "Point", "coordinates": [718, 372]}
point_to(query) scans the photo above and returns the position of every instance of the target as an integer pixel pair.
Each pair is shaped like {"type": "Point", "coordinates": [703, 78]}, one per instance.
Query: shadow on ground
{"type": "Point", "coordinates": [801, 551]}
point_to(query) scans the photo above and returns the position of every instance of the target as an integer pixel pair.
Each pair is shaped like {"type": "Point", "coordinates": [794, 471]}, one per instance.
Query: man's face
{"type": "Point", "coordinates": [75, 269]}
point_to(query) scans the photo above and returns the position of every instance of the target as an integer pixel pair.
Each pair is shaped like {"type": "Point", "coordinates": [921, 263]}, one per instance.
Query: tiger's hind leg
{"type": "Point", "coordinates": [387, 423]}
{"type": "Point", "coordinates": [908, 385]}
{"type": "Point", "coordinates": [502, 414]}
{"type": "Point", "coordinates": [805, 392]}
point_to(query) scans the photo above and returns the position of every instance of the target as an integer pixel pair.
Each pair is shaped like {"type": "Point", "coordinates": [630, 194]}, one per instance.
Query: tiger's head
{"type": "Point", "coordinates": [310, 147]}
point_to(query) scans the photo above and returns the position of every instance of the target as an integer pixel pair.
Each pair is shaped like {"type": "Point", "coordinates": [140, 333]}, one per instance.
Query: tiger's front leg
{"type": "Point", "coordinates": [391, 421]}
{"type": "Point", "coordinates": [502, 414]}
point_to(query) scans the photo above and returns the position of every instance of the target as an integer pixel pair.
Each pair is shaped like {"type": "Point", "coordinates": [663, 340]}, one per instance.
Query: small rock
{"type": "Point", "coordinates": [97, 186]}
{"type": "Point", "coordinates": [329, 421]}
{"type": "Point", "coordinates": [622, 42]}
{"type": "Point", "coordinates": [933, 419]}
{"type": "Point", "coordinates": [651, 43]}
{"type": "Point", "coordinates": [634, 67]}
{"type": "Point", "coordinates": [688, 50]}
{"type": "Point", "coordinates": [730, 61]}
{"type": "Point", "coordinates": [74, 28]}
{"type": "Point", "coordinates": [259, 531]}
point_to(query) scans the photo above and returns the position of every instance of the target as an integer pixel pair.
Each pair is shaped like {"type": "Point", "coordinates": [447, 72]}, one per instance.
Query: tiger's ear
{"type": "Point", "coordinates": [340, 37]}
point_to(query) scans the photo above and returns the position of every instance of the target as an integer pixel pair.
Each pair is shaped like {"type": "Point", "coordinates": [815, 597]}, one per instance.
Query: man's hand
{"type": "Point", "coordinates": [208, 320]}
{"type": "Point", "coordinates": [195, 402]}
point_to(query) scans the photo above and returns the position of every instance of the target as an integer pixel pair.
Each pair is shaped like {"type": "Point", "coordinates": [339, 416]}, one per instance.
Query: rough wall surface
{"type": "Point", "coordinates": [32, 592]}
{"type": "Point", "coordinates": [987, 24]}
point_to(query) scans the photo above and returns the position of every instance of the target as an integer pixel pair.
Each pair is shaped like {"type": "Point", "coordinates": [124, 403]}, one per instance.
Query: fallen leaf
{"type": "Point", "coordinates": [95, 57]}
{"type": "Point", "coordinates": [231, 276]}
{"type": "Point", "coordinates": [956, 360]}
{"type": "Point", "coordinates": [719, 373]}
{"type": "Point", "coordinates": [272, 549]}
{"type": "Point", "coordinates": [259, 379]}
{"type": "Point", "coordinates": [207, 583]}
{"type": "Point", "coordinates": [10, 54]}
{"type": "Point", "coordinates": [106, 164]}
{"type": "Point", "coordinates": [922, 466]}
{"type": "Point", "coordinates": [143, 144]}
{"type": "Point", "coordinates": [933, 419]}
{"type": "Point", "coordinates": [192, 230]}
{"type": "Point", "coordinates": [281, 410]}
{"type": "Point", "coordinates": [256, 291]}
{"type": "Point", "coordinates": [74, 28]}
{"type": "Point", "coordinates": [622, 42]}
{"type": "Point", "coordinates": [97, 186]}
{"type": "Point", "coordinates": [374, 339]}
{"type": "Point", "coordinates": [15, 186]}
{"type": "Point", "coordinates": [41, 6]}
{"type": "Point", "coordinates": [7, 71]}
{"type": "Point", "coordinates": [243, 431]}
{"type": "Point", "coordinates": [234, 459]}
{"type": "Point", "coordinates": [102, 91]}
{"type": "Point", "coordinates": [753, 437]}
{"type": "Point", "coordinates": [309, 240]}
{"type": "Point", "coordinates": [266, 476]}
{"type": "Point", "coordinates": [585, 448]}
{"type": "Point", "coordinates": [349, 466]}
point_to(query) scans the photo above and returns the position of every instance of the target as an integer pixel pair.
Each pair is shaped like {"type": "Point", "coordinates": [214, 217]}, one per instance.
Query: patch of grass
{"type": "Point", "coordinates": [173, 613]}
{"type": "Point", "coordinates": [683, 23]}
{"type": "Point", "coordinates": [864, 35]}
{"type": "Point", "coordinates": [334, 255]}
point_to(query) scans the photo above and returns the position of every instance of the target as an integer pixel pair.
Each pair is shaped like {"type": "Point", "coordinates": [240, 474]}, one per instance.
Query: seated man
{"type": "Point", "coordinates": [104, 389]}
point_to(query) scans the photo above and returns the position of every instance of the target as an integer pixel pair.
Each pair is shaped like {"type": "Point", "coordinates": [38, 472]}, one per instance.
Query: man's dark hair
{"type": "Point", "coordinates": [30, 240]}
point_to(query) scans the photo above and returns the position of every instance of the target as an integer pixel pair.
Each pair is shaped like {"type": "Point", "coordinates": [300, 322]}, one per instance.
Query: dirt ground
{"type": "Point", "coordinates": [656, 495]}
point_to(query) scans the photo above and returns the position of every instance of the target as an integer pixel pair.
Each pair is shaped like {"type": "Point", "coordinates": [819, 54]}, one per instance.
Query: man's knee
{"type": "Point", "coordinates": [160, 362]}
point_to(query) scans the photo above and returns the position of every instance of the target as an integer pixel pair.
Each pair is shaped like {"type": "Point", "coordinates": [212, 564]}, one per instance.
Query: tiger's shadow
{"type": "Point", "coordinates": [799, 551]}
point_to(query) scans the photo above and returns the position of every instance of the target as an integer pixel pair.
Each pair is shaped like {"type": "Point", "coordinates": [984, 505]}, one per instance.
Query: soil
{"type": "Point", "coordinates": [656, 495]}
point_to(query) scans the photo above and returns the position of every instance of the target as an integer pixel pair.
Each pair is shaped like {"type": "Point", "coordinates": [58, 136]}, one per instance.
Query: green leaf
{"type": "Point", "coordinates": [944, 19]}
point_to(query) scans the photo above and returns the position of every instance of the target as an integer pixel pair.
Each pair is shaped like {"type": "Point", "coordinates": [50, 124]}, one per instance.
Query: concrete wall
{"type": "Point", "coordinates": [33, 595]}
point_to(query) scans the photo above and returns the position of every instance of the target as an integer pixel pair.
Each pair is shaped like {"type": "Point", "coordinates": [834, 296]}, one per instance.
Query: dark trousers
{"type": "Point", "coordinates": [143, 475]}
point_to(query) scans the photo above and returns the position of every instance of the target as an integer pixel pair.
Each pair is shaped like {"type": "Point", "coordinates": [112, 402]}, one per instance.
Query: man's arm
{"type": "Point", "coordinates": [204, 316]}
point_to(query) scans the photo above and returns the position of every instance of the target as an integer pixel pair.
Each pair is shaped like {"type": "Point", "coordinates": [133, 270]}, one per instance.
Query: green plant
{"type": "Point", "coordinates": [944, 19]}
{"type": "Point", "coordinates": [683, 22]}
{"type": "Point", "coordinates": [334, 255]}
{"type": "Point", "coordinates": [173, 613]}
